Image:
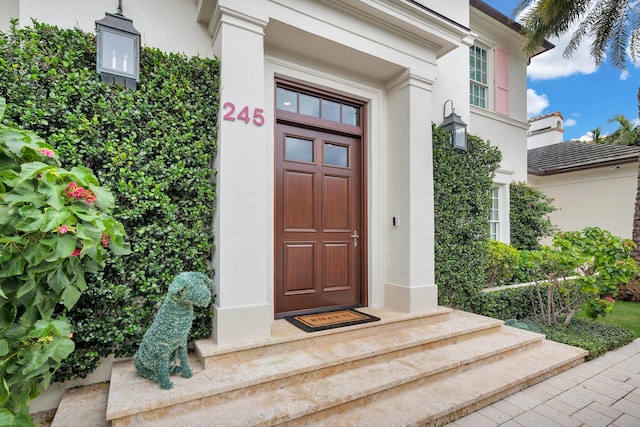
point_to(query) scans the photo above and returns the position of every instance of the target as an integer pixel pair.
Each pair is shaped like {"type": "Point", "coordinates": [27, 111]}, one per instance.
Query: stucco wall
{"type": "Point", "coordinates": [169, 25]}
{"type": "Point", "coordinates": [602, 197]}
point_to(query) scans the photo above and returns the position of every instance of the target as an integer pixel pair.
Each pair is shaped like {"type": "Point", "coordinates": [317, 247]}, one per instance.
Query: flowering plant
{"type": "Point", "coordinates": [597, 261]}
{"type": "Point", "coordinates": [54, 228]}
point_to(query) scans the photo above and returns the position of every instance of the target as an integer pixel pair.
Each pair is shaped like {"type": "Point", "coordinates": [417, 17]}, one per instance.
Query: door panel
{"type": "Point", "coordinates": [318, 213]}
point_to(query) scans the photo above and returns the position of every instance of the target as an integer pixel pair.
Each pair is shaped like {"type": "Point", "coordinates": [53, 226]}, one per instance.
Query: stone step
{"type": "Point", "coordinates": [449, 398]}
{"type": "Point", "coordinates": [340, 389]}
{"type": "Point", "coordinates": [130, 394]}
{"type": "Point", "coordinates": [403, 370]}
{"type": "Point", "coordinates": [286, 338]}
{"type": "Point", "coordinates": [419, 390]}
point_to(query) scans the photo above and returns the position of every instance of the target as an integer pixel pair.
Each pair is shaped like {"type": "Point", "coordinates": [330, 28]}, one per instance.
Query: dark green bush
{"type": "Point", "coordinates": [597, 338]}
{"type": "Point", "coordinates": [509, 303]}
{"type": "Point", "coordinates": [529, 216]}
{"type": "Point", "coordinates": [462, 187]}
{"type": "Point", "coordinates": [152, 148]}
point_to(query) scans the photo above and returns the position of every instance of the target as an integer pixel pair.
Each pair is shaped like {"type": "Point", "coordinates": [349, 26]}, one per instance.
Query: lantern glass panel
{"type": "Point", "coordinates": [460, 136]}
{"type": "Point", "coordinates": [118, 53]}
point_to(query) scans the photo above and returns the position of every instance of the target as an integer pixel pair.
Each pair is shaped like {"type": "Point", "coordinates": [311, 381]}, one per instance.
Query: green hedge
{"type": "Point", "coordinates": [509, 303]}
{"type": "Point", "coordinates": [529, 216]}
{"type": "Point", "coordinates": [152, 148]}
{"type": "Point", "coordinates": [462, 188]}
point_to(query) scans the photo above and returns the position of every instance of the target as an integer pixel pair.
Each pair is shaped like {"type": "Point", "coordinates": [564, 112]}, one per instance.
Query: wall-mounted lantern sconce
{"type": "Point", "coordinates": [454, 124]}
{"type": "Point", "coordinates": [118, 50]}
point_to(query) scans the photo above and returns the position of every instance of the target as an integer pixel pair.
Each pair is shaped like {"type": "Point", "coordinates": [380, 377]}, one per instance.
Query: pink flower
{"type": "Point", "coordinates": [610, 299]}
{"type": "Point", "coordinates": [76, 252]}
{"type": "Point", "coordinates": [47, 152]}
{"type": "Point", "coordinates": [104, 240]}
{"type": "Point", "coordinates": [63, 229]}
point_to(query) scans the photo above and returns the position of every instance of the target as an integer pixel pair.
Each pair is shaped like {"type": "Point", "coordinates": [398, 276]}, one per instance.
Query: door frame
{"type": "Point", "coordinates": [314, 123]}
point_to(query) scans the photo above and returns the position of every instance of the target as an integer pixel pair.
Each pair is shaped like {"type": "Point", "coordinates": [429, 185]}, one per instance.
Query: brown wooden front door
{"type": "Point", "coordinates": [319, 236]}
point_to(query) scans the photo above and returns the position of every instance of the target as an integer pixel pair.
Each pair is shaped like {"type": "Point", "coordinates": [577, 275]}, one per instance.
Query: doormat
{"type": "Point", "coordinates": [330, 320]}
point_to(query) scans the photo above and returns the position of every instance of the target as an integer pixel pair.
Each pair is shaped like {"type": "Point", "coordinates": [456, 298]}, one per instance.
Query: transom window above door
{"type": "Point", "coordinates": [315, 106]}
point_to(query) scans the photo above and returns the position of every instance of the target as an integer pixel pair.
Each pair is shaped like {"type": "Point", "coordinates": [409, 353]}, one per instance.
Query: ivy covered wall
{"type": "Point", "coordinates": [462, 189]}
{"type": "Point", "coordinates": [153, 148]}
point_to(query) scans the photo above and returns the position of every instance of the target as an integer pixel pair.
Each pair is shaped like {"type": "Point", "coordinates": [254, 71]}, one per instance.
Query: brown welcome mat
{"type": "Point", "coordinates": [330, 320]}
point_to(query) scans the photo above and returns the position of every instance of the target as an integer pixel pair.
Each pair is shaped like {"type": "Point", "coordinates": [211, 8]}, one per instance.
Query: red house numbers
{"type": "Point", "coordinates": [257, 118]}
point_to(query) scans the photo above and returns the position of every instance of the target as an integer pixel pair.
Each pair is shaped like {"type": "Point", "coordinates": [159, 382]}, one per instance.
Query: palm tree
{"type": "Point", "coordinates": [614, 25]}
{"type": "Point", "coordinates": [615, 28]}
{"type": "Point", "coordinates": [626, 134]}
{"type": "Point", "coordinates": [596, 135]}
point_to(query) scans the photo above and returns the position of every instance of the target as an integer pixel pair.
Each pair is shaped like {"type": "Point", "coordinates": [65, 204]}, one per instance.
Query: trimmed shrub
{"type": "Point", "coordinates": [462, 187]}
{"type": "Point", "coordinates": [597, 338]}
{"type": "Point", "coordinates": [502, 260]}
{"type": "Point", "coordinates": [152, 148]}
{"type": "Point", "coordinates": [529, 216]}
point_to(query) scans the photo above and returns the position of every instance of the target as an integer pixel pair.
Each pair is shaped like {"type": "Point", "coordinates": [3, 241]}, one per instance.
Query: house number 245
{"type": "Point", "coordinates": [230, 108]}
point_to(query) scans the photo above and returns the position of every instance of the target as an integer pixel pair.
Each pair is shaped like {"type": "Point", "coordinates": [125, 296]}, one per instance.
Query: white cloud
{"type": "Point", "coordinates": [536, 103]}
{"type": "Point", "coordinates": [570, 122]}
{"type": "Point", "coordinates": [624, 75]}
{"type": "Point", "coordinates": [587, 137]}
{"type": "Point", "coordinates": [551, 64]}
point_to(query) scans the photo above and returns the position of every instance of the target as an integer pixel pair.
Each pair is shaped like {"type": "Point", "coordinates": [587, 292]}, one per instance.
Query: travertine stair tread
{"type": "Point", "coordinates": [308, 396]}
{"type": "Point", "coordinates": [434, 400]}
{"type": "Point", "coordinates": [131, 394]}
{"type": "Point", "coordinates": [287, 338]}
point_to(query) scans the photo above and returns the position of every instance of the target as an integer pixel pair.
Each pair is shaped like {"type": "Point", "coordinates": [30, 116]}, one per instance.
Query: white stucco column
{"type": "Point", "coordinates": [242, 310]}
{"type": "Point", "coordinates": [410, 283]}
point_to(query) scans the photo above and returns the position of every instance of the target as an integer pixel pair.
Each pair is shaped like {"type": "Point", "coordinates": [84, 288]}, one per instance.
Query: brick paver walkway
{"type": "Point", "coordinates": [602, 392]}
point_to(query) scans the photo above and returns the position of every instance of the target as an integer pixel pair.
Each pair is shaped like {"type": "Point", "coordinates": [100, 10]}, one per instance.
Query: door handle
{"type": "Point", "coordinates": [355, 237]}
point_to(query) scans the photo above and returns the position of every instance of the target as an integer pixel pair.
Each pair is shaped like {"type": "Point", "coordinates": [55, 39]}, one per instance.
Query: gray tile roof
{"type": "Point", "coordinates": [571, 156]}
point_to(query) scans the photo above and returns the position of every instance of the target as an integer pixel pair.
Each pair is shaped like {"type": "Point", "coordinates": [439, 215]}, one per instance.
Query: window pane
{"type": "Point", "coordinates": [297, 149]}
{"type": "Point", "coordinates": [336, 155]}
{"type": "Point", "coordinates": [350, 115]}
{"type": "Point", "coordinates": [309, 105]}
{"type": "Point", "coordinates": [286, 100]}
{"type": "Point", "coordinates": [331, 110]}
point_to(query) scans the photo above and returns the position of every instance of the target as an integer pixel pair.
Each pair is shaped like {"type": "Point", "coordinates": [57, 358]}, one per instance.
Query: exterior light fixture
{"type": "Point", "coordinates": [118, 50]}
{"type": "Point", "coordinates": [457, 128]}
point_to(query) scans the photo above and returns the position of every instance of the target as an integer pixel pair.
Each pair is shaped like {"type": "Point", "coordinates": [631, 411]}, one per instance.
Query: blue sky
{"type": "Point", "coordinates": [586, 95]}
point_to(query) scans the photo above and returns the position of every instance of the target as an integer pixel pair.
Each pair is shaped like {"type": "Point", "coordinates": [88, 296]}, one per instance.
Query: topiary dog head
{"type": "Point", "coordinates": [192, 288]}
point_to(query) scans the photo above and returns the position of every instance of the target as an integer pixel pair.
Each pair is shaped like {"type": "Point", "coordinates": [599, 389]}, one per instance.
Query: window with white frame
{"type": "Point", "coordinates": [494, 216]}
{"type": "Point", "coordinates": [478, 85]}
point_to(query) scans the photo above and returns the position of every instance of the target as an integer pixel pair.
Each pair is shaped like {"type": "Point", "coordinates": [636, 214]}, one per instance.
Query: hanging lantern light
{"type": "Point", "coordinates": [118, 49]}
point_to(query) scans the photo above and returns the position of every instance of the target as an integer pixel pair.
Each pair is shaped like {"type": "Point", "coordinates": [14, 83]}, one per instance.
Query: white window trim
{"type": "Point", "coordinates": [490, 86]}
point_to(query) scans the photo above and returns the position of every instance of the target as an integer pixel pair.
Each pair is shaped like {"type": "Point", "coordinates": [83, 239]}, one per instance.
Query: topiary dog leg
{"type": "Point", "coordinates": [184, 362]}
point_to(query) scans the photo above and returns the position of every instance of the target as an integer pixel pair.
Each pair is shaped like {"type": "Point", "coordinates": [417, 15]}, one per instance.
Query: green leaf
{"type": "Point", "coordinates": [64, 247]}
{"type": "Point", "coordinates": [54, 218]}
{"type": "Point", "coordinates": [4, 347]}
{"type": "Point", "coordinates": [13, 267]}
{"type": "Point", "coordinates": [6, 417]}
{"type": "Point", "coordinates": [26, 287]}
{"type": "Point", "coordinates": [32, 169]}
{"type": "Point", "coordinates": [53, 194]}
{"type": "Point", "coordinates": [58, 280]}
{"type": "Point", "coordinates": [84, 175]}
{"type": "Point", "coordinates": [8, 314]}
{"type": "Point", "coordinates": [3, 106]}
{"type": "Point", "coordinates": [36, 359]}
{"type": "Point", "coordinates": [104, 198]}
{"type": "Point", "coordinates": [60, 349]}
{"type": "Point", "coordinates": [70, 296]}
{"type": "Point", "coordinates": [62, 326]}
{"type": "Point", "coordinates": [34, 254]}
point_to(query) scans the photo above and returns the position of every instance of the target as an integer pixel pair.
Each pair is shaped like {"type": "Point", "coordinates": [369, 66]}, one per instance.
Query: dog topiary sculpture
{"type": "Point", "coordinates": [166, 339]}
